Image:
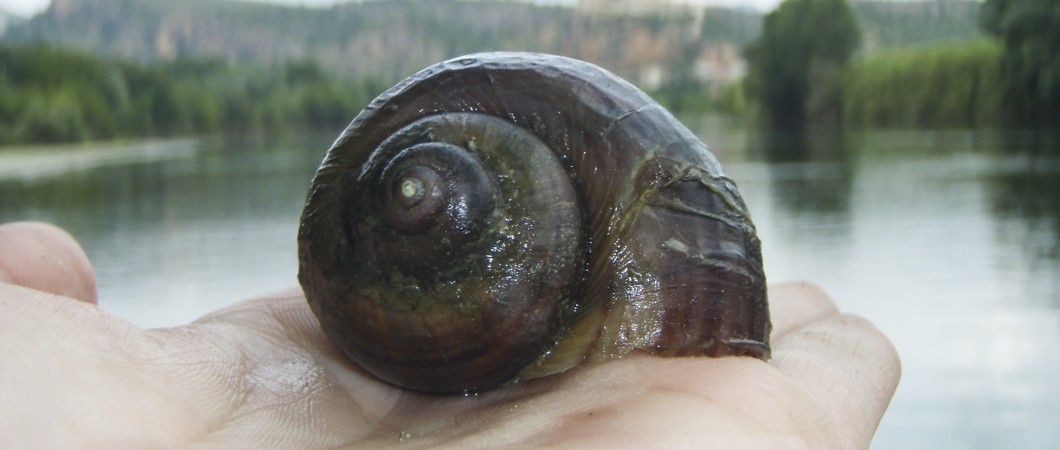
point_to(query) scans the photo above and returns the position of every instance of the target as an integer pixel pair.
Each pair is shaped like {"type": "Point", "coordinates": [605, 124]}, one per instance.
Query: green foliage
{"type": "Point", "coordinates": [684, 98]}
{"type": "Point", "coordinates": [796, 63]}
{"type": "Point", "coordinates": [259, 77]}
{"type": "Point", "coordinates": [943, 86]}
{"type": "Point", "coordinates": [57, 95]}
{"type": "Point", "coordinates": [1030, 63]}
{"type": "Point", "coordinates": [53, 95]}
{"type": "Point", "coordinates": [55, 118]}
{"type": "Point", "coordinates": [732, 100]}
{"type": "Point", "coordinates": [698, 98]}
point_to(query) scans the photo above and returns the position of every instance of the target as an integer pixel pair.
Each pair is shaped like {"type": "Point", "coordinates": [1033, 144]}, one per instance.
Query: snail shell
{"type": "Point", "coordinates": [504, 216]}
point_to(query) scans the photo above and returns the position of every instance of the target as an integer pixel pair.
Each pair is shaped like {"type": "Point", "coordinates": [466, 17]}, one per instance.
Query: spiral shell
{"type": "Point", "coordinates": [505, 216]}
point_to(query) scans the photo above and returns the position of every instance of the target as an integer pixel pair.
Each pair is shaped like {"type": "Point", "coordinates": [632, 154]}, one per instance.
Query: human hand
{"type": "Point", "coordinates": [261, 374]}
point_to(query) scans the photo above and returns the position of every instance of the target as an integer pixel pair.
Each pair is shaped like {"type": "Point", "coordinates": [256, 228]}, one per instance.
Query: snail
{"type": "Point", "coordinates": [505, 216]}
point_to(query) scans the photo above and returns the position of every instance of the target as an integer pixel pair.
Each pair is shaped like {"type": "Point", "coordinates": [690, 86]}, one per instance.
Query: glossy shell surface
{"type": "Point", "coordinates": [505, 216]}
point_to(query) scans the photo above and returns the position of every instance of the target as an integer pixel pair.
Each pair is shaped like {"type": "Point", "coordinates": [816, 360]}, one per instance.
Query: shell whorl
{"type": "Point", "coordinates": [635, 238]}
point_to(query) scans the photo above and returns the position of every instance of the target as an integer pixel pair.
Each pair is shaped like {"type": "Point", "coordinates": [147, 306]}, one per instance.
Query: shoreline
{"type": "Point", "coordinates": [31, 162]}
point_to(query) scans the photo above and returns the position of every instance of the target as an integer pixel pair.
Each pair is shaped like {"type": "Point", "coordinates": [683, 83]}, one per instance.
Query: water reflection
{"type": "Point", "coordinates": [947, 241]}
{"type": "Point", "coordinates": [1025, 197]}
{"type": "Point", "coordinates": [811, 171]}
{"type": "Point", "coordinates": [801, 203]}
{"type": "Point", "coordinates": [174, 238]}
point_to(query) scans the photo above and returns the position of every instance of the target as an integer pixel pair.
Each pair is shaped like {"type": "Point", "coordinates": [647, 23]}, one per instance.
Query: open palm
{"type": "Point", "coordinates": [261, 374]}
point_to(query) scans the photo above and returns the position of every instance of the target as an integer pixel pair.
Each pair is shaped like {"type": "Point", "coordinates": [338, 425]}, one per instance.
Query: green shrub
{"type": "Point", "coordinates": [51, 119]}
{"type": "Point", "coordinates": [946, 86]}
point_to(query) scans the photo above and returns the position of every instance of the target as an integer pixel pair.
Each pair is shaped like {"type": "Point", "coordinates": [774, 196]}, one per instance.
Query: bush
{"type": "Point", "coordinates": [1030, 61]}
{"type": "Point", "coordinates": [51, 119]}
{"type": "Point", "coordinates": [949, 86]}
{"type": "Point", "coordinates": [794, 65]}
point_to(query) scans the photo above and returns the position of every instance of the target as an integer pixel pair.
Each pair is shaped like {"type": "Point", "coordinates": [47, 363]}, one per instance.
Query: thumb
{"type": "Point", "coordinates": [44, 257]}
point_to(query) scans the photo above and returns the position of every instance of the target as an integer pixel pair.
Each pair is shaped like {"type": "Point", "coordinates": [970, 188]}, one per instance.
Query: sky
{"type": "Point", "coordinates": [28, 8]}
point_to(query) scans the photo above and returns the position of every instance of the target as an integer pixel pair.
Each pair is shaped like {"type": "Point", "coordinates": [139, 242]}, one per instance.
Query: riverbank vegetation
{"type": "Point", "coordinates": [800, 73]}
{"type": "Point", "coordinates": [52, 95]}
{"type": "Point", "coordinates": [944, 86]}
{"type": "Point", "coordinates": [55, 95]}
{"type": "Point", "coordinates": [805, 67]}
{"type": "Point", "coordinates": [797, 63]}
{"type": "Point", "coordinates": [1029, 32]}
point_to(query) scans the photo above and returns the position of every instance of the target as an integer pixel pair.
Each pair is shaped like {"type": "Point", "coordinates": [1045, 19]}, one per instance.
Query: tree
{"type": "Point", "coordinates": [796, 64]}
{"type": "Point", "coordinates": [1030, 62]}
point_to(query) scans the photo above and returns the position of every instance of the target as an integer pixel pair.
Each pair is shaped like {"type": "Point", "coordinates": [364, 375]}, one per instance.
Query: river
{"type": "Point", "coordinates": [946, 240]}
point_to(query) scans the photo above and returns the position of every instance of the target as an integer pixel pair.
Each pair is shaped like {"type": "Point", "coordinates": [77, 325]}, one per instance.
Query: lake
{"type": "Point", "coordinates": [946, 240]}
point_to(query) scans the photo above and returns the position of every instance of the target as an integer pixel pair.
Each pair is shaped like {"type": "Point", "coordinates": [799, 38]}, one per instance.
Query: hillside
{"type": "Point", "coordinates": [394, 38]}
{"type": "Point", "coordinates": [7, 19]}
{"type": "Point", "coordinates": [388, 39]}
{"type": "Point", "coordinates": [889, 24]}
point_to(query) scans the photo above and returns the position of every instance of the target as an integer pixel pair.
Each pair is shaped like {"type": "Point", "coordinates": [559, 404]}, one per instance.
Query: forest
{"type": "Point", "coordinates": [805, 71]}
{"type": "Point", "coordinates": [842, 69]}
{"type": "Point", "coordinates": [50, 94]}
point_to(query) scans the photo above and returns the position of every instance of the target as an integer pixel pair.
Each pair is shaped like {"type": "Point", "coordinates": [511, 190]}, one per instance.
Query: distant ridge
{"type": "Point", "coordinates": [395, 38]}
{"type": "Point", "coordinates": [7, 19]}
{"type": "Point", "coordinates": [896, 24]}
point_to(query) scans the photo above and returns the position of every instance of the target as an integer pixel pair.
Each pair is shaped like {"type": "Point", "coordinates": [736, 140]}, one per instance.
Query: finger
{"type": "Point", "coordinates": [75, 376]}
{"type": "Point", "coordinates": [848, 367]}
{"type": "Point", "coordinates": [44, 257]}
{"type": "Point", "coordinates": [792, 305]}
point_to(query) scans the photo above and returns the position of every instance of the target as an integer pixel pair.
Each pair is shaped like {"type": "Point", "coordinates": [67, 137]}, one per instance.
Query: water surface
{"type": "Point", "coordinates": [946, 240]}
